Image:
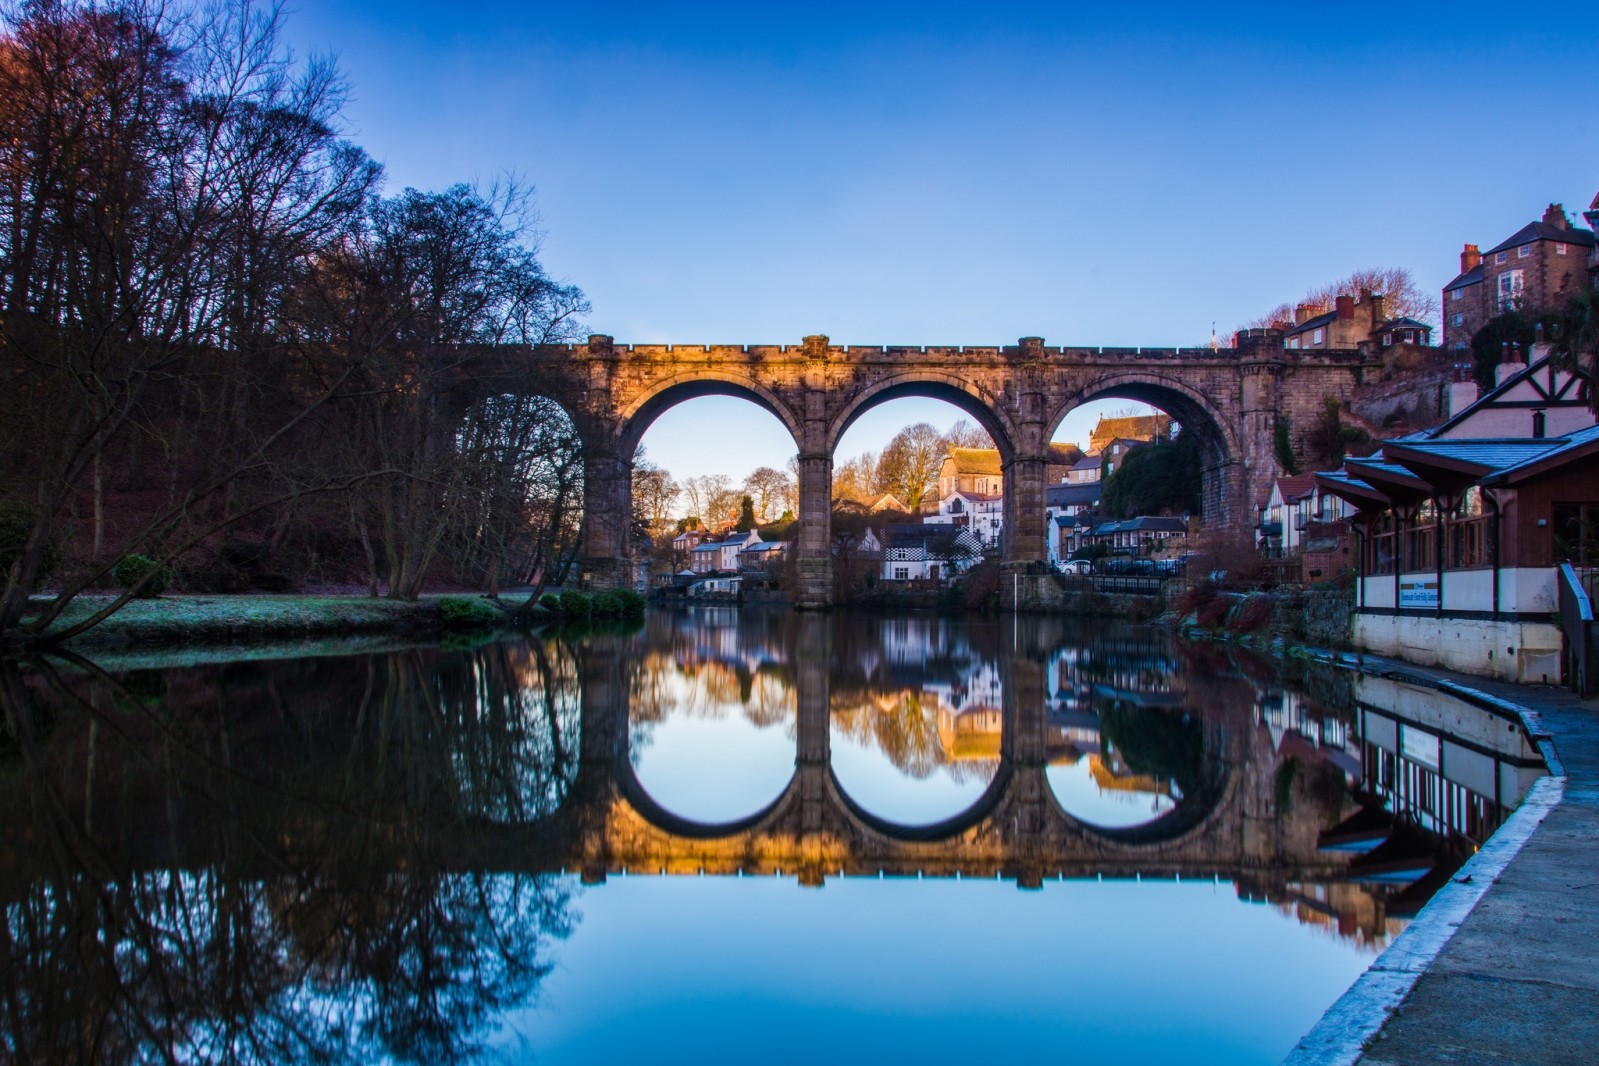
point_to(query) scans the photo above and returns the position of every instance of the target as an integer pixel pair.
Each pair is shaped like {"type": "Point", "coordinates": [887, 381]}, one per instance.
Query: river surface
{"type": "Point", "coordinates": [722, 836]}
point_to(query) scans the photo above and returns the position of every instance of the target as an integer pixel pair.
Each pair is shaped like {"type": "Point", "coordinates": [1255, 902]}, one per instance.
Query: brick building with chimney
{"type": "Point", "coordinates": [1538, 266]}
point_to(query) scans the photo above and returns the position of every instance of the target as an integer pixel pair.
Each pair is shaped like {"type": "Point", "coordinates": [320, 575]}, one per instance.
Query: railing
{"type": "Point", "coordinates": [1576, 618]}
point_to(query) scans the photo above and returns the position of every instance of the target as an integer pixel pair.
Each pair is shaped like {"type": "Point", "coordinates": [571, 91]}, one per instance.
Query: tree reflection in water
{"type": "Point", "coordinates": [298, 894]}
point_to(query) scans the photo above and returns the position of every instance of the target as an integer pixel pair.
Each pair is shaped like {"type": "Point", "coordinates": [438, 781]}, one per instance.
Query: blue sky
{"type": "Point", "coordinates": [968, 174]}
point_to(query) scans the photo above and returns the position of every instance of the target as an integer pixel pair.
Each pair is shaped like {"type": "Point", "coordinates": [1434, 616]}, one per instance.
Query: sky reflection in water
{"type": "Point", "coordinates": [418, 855]}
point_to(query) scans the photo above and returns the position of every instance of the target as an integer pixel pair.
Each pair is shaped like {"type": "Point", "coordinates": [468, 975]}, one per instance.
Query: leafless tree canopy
{"type": "Point", "coordinates": [214, 329]}
{"type": "Point", "coordinates": [1403, 297]}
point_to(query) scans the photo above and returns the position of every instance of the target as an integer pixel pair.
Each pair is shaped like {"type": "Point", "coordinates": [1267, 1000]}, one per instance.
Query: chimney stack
{"type": "Point", "coordinates": [1303, 313]}
{"type": "Point", "coordinates": [1555, 216]}
{"type": "Point", "coordinates": [1470, 259]}
{"type": "Point", "coordinates": [1379, 308]}
{"type": "Point", "coordinates": [1345, 306]}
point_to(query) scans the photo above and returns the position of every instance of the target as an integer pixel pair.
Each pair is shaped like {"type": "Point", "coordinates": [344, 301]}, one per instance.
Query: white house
{"type": "Point", "coordinates": [981, 512]}
{"type": "Point", "coordinates": [723, 555]}
{"type": "Point", "coordinates": [928, 552]}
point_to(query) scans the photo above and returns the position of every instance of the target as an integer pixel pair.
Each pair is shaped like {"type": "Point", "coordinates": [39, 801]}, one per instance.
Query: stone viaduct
{"type": "Point", "coordinates": [1231, 397]}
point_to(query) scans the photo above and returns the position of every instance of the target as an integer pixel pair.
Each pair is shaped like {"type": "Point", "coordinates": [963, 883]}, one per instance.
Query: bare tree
{"type": "Point", "coordinates": [964, 434]}
{"type": "Point", "coordinates": [655, 492]}
{"type": "Point", "coordinates": [768, 488]}
{"type": "Point", "coordinates": [166, 175]}
{"type": "Point", "coordinates": [856, 479]}
{"type": "Point", "coordinates": [909, 464]}
{"type": "Point", "coordinates": [1402, 297]}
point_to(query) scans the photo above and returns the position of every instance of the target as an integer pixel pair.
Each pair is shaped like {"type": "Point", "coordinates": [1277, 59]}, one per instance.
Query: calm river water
{"type": "Point", "coordinates": [721, 837]}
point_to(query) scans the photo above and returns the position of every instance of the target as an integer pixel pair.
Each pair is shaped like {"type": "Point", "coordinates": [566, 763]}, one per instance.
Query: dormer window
{"type": "Point", "coordinates": [1524, 251]}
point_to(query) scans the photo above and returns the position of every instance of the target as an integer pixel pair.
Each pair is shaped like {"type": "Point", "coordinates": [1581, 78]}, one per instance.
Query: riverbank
{"type": "Point", "coordinates": [215, 619]}
{"type": "Point", "coordinates": [1502, 966]}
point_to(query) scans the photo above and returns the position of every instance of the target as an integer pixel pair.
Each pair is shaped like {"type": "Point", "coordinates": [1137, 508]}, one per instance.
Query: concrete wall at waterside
{"type": "Point", "coordinates": [1518, 651]}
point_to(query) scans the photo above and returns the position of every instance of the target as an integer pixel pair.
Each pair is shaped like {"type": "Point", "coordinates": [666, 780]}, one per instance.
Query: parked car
{"type": "Point", "coordinates": [1077, 566]}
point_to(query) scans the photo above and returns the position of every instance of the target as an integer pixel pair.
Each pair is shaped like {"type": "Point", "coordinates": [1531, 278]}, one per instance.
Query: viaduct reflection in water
{"type": "Point", "coordinates": [363, 857]}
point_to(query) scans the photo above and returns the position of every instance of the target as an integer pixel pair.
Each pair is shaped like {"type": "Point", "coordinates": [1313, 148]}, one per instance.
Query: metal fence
{"type": "Point", "coordinates": [1576, 618]}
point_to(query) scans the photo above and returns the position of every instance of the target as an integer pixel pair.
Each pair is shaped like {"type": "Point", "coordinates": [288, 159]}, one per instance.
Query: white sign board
{"type": "Point", "coordinates": [1418, 592]}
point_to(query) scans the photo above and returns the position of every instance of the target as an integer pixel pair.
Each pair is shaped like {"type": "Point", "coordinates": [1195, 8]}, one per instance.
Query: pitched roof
{"type": "Point", "coordinates": [1312, 323]}
{"type": "Point", "coordinates": [1062, 454]}
{"type": "Point", "coordinates": [1404, 323]}
{"type": "Point", "coordinates": [1296, 486]}
{"type": "Point", "coordinates": [1150, 523]}
{"type": "Point", "coordinates": [1579, 445]}
{"type": "Point", "coordinates": [1073, 495]}
{"type": "Point", "coordinates": [975, 460]}
{"type": "Point", "coordinates": [1470, 277]}
{"type": "Point", "coordinates": [1538, 362]}
{"type": "Point", "coordinates": [1089, 462]}
{"type": "Point", "coordinates": [1542, 231]}
{"type": "Point", "coordinates": [1132, 427]}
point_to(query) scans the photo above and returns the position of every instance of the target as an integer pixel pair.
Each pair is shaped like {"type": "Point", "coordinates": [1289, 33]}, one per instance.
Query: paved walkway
{"type": "Point", "coordinates": [1503, 965]}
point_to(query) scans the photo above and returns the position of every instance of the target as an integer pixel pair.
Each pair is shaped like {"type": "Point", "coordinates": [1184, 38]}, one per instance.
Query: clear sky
{"type": "Point", "coordinates": [935, 173]}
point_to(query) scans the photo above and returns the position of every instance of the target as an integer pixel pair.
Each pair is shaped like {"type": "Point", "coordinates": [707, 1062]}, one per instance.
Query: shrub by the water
{"type": "Point", "coordinates": [551, 602]}
{"type": "Point", "coordinates": [1212, 612]}
{"type": "Point", "coordinates": [136, 568]}
{"type": "Point", "coordinates": [606, 605]}
{"type": "Point", "coordinates": [633, 603]}
{"type": "Point", "coordinates": [575, 604]}
{"type": "Point", "coordinates": [16, 526]}
{"type": "Point", "coordinates": [1253, 615]}
{"type": "Point", "coordinates": [467, 611]}
{"type": "Point", "coordinates": [1194, 596]}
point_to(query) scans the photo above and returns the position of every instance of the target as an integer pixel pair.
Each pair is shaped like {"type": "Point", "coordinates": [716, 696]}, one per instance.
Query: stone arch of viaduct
{"type": "Point", "coordinates": [1232, 397]}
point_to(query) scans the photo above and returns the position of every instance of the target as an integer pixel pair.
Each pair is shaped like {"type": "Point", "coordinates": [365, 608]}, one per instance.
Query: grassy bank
{"type": "Point", "coordinates": [202, 619]}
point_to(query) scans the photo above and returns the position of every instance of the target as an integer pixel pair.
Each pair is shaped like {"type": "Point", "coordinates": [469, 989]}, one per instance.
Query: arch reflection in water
{"type": "Point", "coordinates": [1120, 743]}
{"type": "Point", "coordinates": [917, 715]}
{"type": "Point", "coordinates": [712, 714]}
{"type": "Point", "coordinates": [281, 861]}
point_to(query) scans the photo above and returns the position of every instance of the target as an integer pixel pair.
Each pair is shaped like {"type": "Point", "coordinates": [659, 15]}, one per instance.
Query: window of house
{"type": "Point", "coordinates": [1410, 336]}
{"type": "Point", "coordinates": [1499, 257]}
{"type": "Point", "coordinates": [1524, 251]}
{"type": "Point", "coordinates": [1457, 319]}
{"type": "Point", "coordinates": [1576, 533]}
{"type": "Point", "coordinates": [902, 573]}
{"type": "Point", "coordinates": [1293, 342]}
{"type": "Point", "coordinates": [955, 506]}
{"type": "Point", "coordinates": [1455, 294]}
{"type": "Point", "coordinates": [1387, 339]}
{"type": "Point", "coordinates": [1560, 249]}
{"type": "Point", "coordinates": [1316, 336]}
{"type": "Point", "coordinates": [1512, 284]}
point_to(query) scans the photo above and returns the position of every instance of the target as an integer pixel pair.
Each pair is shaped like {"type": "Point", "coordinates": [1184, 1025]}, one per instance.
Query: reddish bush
{"type": "Point", "coordinates": [1214, 610]}
{"type": "Point", "coordinates": [1193, 596]}
{"type": "Point", "coordinates": [1254, 614]}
